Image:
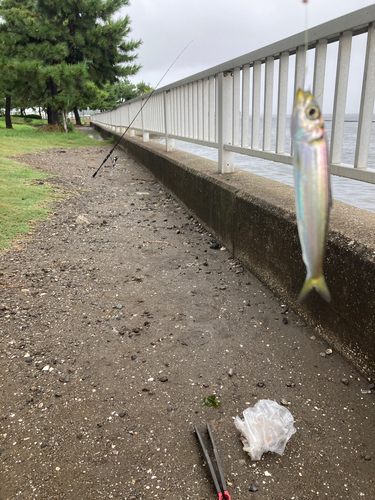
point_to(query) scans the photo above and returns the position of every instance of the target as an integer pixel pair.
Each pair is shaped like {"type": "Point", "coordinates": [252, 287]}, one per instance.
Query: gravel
{"type": "Point", "coordinates": [126, 299]}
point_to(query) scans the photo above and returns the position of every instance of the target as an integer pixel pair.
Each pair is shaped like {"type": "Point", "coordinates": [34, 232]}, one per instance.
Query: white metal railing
{"type": "Point", "coordinates": [221, 107]}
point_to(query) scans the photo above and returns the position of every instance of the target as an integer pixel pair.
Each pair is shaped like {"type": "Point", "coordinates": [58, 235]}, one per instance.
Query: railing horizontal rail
{"type": "Point", "coordinates": [230, 106]}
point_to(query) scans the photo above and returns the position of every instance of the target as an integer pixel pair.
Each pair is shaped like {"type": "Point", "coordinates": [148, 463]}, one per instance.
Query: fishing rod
{"type": "Point", "coordinates": [143, 105]}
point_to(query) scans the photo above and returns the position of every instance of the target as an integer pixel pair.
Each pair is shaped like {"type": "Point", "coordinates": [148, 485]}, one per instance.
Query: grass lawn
{"type": "Point", "coordinates": [22, 199]}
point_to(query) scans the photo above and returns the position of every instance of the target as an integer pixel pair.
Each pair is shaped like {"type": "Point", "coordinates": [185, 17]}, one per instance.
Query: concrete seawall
{"type": "Point", "coordinates": [255, 219]}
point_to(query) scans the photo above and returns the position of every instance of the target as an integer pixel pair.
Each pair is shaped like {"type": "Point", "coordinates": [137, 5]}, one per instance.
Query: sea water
{"type": "Point", "coordinates": [357, 193]}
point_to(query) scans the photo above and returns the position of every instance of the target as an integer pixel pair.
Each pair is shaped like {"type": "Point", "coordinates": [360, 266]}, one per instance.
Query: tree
{"type": "Point", "coordinates": [125, 90]}
{"type": "Point", "coordinates": [67, 44]}
{"type": "Point", "coordinates": [13, 70]}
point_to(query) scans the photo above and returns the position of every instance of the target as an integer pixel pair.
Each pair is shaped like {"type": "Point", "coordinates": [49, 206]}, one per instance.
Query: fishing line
{"type": "Point", "coordinates": [306, 37]}
{"type": "Point", "coordinates": [143, 105]}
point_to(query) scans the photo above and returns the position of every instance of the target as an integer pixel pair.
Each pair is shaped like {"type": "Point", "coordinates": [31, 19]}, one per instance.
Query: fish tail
{"type": "Point", "coordinates": [319, 284]}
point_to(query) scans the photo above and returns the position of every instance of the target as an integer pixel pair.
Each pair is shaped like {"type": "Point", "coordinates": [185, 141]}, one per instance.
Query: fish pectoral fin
{"type": "Point", "coordinates": [319, 284]}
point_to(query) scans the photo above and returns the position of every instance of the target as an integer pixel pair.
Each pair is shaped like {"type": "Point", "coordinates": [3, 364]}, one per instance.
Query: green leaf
{"type": "Point", "coordinates": [211, 401]}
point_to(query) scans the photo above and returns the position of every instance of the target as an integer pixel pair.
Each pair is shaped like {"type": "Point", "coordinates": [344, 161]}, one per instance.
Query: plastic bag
{"type": "Point", "coordinates": [266, 427]}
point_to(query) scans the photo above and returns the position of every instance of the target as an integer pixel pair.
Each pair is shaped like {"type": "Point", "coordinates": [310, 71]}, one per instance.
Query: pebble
{"type": "Point", "coordinates": [285, 321]}
{"type": "Point", "coordinates": [64, 378]}
{"type": "Point", "coordinates": [231, 372]}
{"type": "Point", "coordinates": [345, 381]}
{"type": "Point", "coordinates": [133, 357]}
{"type": "Point", "coordinates": [253, 488]}
{"type": "Point", "coordinates": [329, 351]}
{"type": "Point", "coordinates": [284, 402]}
{"type": "Point", "coordinates": [260, 384]}
{"type": "Point", "coordinates": [163, 379]}
{"type": "Point", "coordinates": [365, 391]}
{"type": "Point", "coordinates": [122, 414]}
{"type": "Point", "coordinates": [371, 386]}
{"type": "Point", "coordinates": [368, 457]}
{"type": "Point", "coordinates": [46, 368]}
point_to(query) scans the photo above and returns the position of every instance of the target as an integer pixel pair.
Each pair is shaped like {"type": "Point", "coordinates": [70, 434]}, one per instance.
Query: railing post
{"type": "Point", "coordinates": [282, 102]}
{"type": "Point", "coordinates": [145, 135]}
{"type": "Point", "coordinates": [367, 103]}
{"type": "Point", "coordinates": [245, 106]}
{"type": "Point", "coordinates": [236, 106]}
{"type": "Point", "coordinates": [211, 107]}
{"type": "Point", "coordinates": [268, 97]}
{"type": "Point", "coordinates": [225, 117]}
{"type": "Point", "coordinates": [341, 89]}
{"type": "Point", "coordinates": [169, 143]}
{"type": "Point", "coordinates": [255, 118]}
{"type": "Point", "coordinates": [206, 112]}
{"type": "Point", "coordinates": [131, 131]}
{"type": "Point", "coordinates": [320, 70]}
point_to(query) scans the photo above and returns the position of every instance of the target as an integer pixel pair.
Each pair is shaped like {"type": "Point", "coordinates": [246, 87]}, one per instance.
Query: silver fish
{"type": "Point", "coordinates": [313, 189]}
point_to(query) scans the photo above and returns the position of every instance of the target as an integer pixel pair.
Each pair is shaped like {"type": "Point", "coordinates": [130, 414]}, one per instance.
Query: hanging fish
{"type": "Point", "coordinates": [313, 189]}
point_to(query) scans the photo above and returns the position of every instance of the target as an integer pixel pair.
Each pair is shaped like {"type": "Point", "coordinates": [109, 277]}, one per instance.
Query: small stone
{"type": "Point", "coordinates": [58, 394]}
{"type": "Point", "coordinates": [242, 462]}
{"type": "Point", "coordinates": [46, 368]}
{"type": "Point", "coordinates": [323, 354]}
{"type": "Point", "coordinates": [33, 389]}
{"type": "Point", "coordinates": [329, 351]}
{"type": "Point", "coordinates": [368, 457]}
{"type": "Point", "coordinates": [231, 372]}
{"type": "Point", "coordinates": [215, 246]}
{"type": "Point", "coordinates": [345, 381]}
{"type": "Point", "coordinates": [122, 330]}
{"type": "Point", "coordinates": [29, 400]}
{"type": "Point", "coordinates": [133, 357]}
{"type": "Point", "coordinates": [163, 379]}
{"type": "Point", "coordinates": [284, 402]}
{"type": "Point", "coordinates": [260, 384]}
{"type": "Point", "coordinates": [43, 445]}
{"type": "Point", "coordinates": [371, 386]}
{"type": "Point", "coordinates": [119, 306]}
{"type": "Point", "coordinates": [122, 414]}
{"type": "Point", "coordinates": [285, 321]}
{"type": "Point", "coordinates": [64, 378]}
{"type": "Point", "coordinates": [253, 488]}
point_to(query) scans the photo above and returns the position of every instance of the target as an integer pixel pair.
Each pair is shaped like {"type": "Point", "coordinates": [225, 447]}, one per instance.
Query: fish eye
{"type": "Point", "coordinates": [313, 112]}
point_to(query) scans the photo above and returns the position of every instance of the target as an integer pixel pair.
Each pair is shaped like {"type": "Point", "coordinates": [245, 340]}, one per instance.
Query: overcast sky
{"type": "Point", "coordinates": [220, 29]}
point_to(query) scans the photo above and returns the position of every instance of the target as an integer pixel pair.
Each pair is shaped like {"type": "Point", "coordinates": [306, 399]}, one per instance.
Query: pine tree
{"type": "Point", "coordinates": [66, 44]}
{"type": "Point", "coordinates": [14, 70]}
